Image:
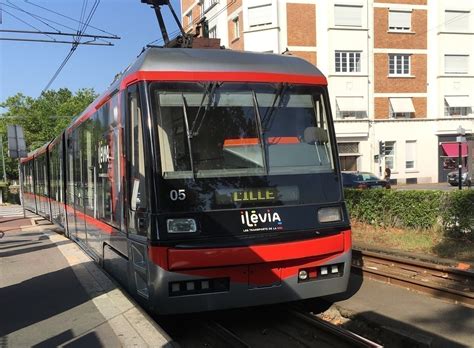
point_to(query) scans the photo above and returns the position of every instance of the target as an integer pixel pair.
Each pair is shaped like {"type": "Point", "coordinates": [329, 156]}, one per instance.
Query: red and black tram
{"type": "Point", "coordinates": [203, 179]}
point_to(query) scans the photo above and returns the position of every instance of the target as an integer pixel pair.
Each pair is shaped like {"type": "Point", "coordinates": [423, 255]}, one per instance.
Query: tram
{"type": "Point", "coordinates": [203, 179]}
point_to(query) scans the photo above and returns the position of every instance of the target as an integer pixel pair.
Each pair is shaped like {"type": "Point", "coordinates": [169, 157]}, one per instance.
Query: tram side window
{"type": "Point", "coordinates": [117, 210]}
{"type": "Point", "coordinates": [88, 150]}
{"type": "Point", "coordinates": [104, 189]}
{"type": "Point", "coordinates": [29, 177]}
{"type": "Point", "coordinates": [70, 172]}
{"type": "Point", "coordinates": [25, 179]}
{"type": "Point", "coordinates": [78, 164]}
{"type": "Point", "coordinates": [106, 128]}
{"type": "Point", "coordinates": [138, 199]}
{"type": "Point", "coordinates": [52, 173]}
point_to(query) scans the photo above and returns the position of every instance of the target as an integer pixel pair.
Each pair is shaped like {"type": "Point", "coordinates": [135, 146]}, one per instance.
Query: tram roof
{"type": "Point", "coordinates": [200, 60]}
{"type": "Point", "coordinates": [182, 60]}
{"type": "Point", "coordinates": [221, 60]}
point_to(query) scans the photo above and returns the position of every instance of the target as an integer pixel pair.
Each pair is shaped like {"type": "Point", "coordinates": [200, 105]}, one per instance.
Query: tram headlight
{"type": "Point", "coordinates": [330, 214]}
{"type": "Point", "coordinates": [303, 274]}
{"type": "Point", "coordinates": [181, 225]}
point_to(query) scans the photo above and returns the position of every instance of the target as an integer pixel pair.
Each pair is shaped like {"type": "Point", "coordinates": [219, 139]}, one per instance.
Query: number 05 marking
{"type": "Point", "coordinates": [176, 195]}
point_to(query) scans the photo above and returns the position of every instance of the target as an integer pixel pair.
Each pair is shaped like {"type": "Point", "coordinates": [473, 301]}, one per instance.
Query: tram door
{"type": "Point", "coordinates": [138, 204]}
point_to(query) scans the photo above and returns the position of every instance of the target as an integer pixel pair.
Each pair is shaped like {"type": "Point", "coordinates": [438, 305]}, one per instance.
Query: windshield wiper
{"type": "Point", "coordinates": [260, 131]}
{"type": "Point", "coordinates": [188, 133]}
{"type": "Point", "coordinates": [269, 113]}
{"type": "Point", "coordinates": [210, 91]}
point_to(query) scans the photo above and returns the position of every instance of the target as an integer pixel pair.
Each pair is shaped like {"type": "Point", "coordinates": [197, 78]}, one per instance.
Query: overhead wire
{"type": "Point", "coordinates": [38, 18]}
{"type": "Point", "coordinates": [67, 17]}
{"type": "Point", "coordinates": [28, 24]}
{"type": "Point", "coordinates": [74, 46]}
{"type": "Point", "coordinates": [83, 10]}
{"type": "Point", "coordinates": [46, 19]}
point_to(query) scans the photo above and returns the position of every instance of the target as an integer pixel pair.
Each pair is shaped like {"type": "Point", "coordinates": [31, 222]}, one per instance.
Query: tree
{"type": "Point", "coordinates": [42, 118]}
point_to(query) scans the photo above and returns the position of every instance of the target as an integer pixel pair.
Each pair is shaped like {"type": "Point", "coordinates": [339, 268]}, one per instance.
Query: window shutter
{"type": "Point", "coordinates": [260, 15]}
{"type": "Point", "coordinates": [399, 20]}
{"type": "Point", "coordinates": [457, 20]}
{"type": "Point", "coordinates": [456, 64]}
{"type": "Point", "coordinates": [410, 154]}
{"type": "Point", "coordinates": [348, 15]}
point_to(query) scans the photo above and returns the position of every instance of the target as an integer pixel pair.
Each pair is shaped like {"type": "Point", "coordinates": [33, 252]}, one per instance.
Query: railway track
{"type": "Point", "coordinates": [436, 280]}
{"type": "Point", "coordinates": [275, 326]}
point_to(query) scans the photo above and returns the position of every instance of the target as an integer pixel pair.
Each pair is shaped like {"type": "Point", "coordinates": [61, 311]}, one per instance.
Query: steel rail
{"type": "Point", "coordinates": [436, 280]}
{"type": "Point", "coordinates": [348, 336]}
{"type": "Point", "coordinates": [231, 339]}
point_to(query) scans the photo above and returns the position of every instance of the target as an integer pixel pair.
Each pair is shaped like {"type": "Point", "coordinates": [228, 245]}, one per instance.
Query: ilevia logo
{"type": "Point", "coordinates": [254, 221]}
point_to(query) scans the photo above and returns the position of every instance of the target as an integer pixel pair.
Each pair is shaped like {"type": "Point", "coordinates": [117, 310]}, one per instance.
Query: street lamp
{"type": "Point", "coordinates": [460, 139]}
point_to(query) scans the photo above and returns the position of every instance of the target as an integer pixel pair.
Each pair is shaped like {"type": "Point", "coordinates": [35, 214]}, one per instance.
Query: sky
{"type": "Point", "coordinates": [27, 67]}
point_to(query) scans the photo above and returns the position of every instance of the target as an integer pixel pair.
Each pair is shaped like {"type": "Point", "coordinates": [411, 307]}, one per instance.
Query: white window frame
{"type": "Point", "coordinates": [395, 26]}
{"type": "Point", "coordinates": [399, 64]}
{"type": "Point", "coordinates": [455, 70]}
{"type": "Point", "coordinates": [236, 23]}
{"type": "Point", "coordinates": [201, 8]}
{"type": "Point", "coordinates": [342, 22]}
{"type": "Point", "coordinates": [353, 114]}
{"type": "Point", "coordinates": [457, 15]}
{"type": "Point", "coordinates": [350, 114]}
{"type": "Point", "coordinates": [213, 32]}
{"type": "Point", "coordinates": [391, 157]}
{"type": "Point", "coordinates": [456, 111]}
{"type": "Point", "coordinates": [410, 155]}
{"type": "Point", "coordinates": [209, 4]}
{"type": "Point", "coordinates": [189, 16]}
{"type": "Point", "coordinates": [344, 61]}
{"type": "Point", "coordinates": [400, 114]}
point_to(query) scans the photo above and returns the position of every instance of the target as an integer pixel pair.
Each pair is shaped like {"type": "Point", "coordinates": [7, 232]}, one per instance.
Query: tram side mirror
{"type": "Point", "coordinates": [314, 135]}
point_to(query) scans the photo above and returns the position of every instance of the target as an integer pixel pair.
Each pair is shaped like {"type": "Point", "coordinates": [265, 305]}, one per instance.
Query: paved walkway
{"type": "Point", "coordinates": [52, 294]}
{"type": "Point", "coordinates": [9, 211]}
{"type": "Point", "coordinates": [429, 322]}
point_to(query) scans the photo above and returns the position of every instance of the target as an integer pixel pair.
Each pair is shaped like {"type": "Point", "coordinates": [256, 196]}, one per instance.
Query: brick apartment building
{"type": "Point", "coordinates": [399, 71]}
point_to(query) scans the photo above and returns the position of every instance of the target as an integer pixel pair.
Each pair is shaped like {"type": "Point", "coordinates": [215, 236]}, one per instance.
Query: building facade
{"type": "Point", "coordinates": [400, 72]}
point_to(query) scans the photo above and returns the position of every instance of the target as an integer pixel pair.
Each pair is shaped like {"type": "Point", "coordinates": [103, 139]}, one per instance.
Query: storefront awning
{"type": "Point", "coordinates": [402, 105]}
{"type": "Point", "coordinates": [351, 104]}
{"type": "Point", "coordinates": [452, 149]}
{"type": "Point", "coordinates": [458, 101]}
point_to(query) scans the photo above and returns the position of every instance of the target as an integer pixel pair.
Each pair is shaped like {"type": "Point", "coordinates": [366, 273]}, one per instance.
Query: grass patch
{"type": "Point", "coordinates": [430, 241]}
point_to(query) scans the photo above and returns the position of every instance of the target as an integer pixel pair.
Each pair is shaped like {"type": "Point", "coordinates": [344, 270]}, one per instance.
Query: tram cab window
{"type": "Point", "coordinates": [230, 129]}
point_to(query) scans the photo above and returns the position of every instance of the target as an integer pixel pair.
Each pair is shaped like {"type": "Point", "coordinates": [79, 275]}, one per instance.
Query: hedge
{"type": "Point", "coordinates": [453, 211]}
{"type": "Point", "coordinates": [457, 212]}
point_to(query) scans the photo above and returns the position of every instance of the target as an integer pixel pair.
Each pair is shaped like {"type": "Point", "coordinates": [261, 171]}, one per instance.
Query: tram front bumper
{"type": "Point", "coordinates": [247, 285]}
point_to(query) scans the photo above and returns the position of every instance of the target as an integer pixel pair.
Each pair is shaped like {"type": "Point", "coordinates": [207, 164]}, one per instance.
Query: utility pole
{"type": "Point", "coordinates": [4, 182]}
{"type": "Point", "coordinates": [3, 160]}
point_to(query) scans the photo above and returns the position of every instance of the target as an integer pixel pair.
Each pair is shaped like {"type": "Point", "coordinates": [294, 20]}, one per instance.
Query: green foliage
{"type": "Point", "coordinates": [453, 210]}
{"type": "Point", "coordinates": [42, 118]}
{"type": "Point", "coordinates": [413, 209]}
{"type": "Point", "coordinates": [458, 214]}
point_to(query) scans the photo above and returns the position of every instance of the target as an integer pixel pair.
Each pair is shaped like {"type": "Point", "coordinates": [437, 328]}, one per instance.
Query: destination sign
{"type": "Point", "coordinates": [265, 194]}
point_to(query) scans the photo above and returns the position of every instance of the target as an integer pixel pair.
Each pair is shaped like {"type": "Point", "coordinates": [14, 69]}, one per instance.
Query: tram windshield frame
{"type": "Point", "coordinates": [227, 129]}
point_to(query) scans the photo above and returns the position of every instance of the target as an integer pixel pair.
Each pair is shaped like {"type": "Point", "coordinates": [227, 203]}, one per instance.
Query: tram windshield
{"type": "Point", "coordinates": [233, 130]}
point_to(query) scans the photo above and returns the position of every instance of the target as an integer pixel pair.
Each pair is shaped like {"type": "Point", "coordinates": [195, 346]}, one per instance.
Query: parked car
{"type": "Point", "coordinates": [453, 178]}
{"type": "Point", "coordinates": [363, 180]}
